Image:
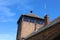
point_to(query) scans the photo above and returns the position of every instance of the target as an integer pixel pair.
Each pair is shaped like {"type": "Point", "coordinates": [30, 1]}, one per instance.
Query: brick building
{"type": "Point", "coordinates": [32, 27]}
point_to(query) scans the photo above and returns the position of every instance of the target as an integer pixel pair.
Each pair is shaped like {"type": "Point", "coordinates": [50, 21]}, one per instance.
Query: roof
{"type": "Point", "coordinates": [45, 27]}
{"type": "Point", "coordinates": [30, 15]}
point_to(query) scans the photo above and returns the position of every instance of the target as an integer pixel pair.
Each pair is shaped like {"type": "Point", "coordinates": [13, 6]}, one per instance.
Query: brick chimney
{"type": "Point", "coordinates": [46, 20]}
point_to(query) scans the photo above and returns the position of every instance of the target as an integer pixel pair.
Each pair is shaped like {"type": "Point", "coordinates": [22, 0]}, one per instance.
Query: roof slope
{"type": "Point", "coordinates": [45, 27]}
{"type": "Point", "coordinates": [31, 15]}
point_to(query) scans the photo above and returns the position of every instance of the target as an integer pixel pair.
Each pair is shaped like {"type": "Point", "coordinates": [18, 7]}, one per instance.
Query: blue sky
{"type": "Point", "coordinates": [10, 11]}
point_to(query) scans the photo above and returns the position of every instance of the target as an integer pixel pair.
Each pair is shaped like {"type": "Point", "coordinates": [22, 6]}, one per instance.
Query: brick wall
{"type": "Point", "coordinates": [28, 28]}
{"type": "Point", "coordinates": [47, 34]}
{"type": "Point", "coordinates": [19, 30]}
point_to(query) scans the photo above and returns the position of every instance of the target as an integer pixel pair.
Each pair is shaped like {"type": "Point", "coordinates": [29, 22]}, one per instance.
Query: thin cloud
{"type": "Point", "coordinates": [4, 11]}
{"type": "Point", "coordinates": [7, 37]}
{"type": "Point", "coordinates": [8, 2]}
{"type": "Point", "coordinates": [7, 20]}
{"type": "Point", "coordinates": [6, 15]}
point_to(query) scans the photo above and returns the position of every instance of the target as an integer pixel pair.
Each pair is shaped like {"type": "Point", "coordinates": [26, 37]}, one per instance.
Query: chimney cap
{"type": "Point", "coordinates": [46, 15]}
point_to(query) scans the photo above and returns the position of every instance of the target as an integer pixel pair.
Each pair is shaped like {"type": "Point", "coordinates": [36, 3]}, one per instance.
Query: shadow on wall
{"type": "Point", "coordinates": [57, 38]}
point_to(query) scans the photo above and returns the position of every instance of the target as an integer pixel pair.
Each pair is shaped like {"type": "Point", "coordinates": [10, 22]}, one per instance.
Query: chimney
{"type": "Point", "coordinates": [46, 20]}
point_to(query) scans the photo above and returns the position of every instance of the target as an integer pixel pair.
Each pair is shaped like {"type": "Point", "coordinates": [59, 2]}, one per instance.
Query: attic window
{"type": "Point", "coordinates": [31, 20]}
{"type": "Point", "coordinates": [39, 21]}
{"type": "Point", "coordinates": [25, 19]}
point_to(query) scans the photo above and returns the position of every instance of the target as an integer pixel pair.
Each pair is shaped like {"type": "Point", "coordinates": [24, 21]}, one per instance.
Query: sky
{"type": "Point", "coordinates": [11, 10]}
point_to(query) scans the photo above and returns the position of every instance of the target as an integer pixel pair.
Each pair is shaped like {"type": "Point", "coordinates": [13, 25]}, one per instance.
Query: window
{"type": "Point", "coordinates": [32, 20]}
{"type": "Point", "coordinates": [38, 21]}
{"type": "Point", "coordinates": [41, 22]}
{"type": "Point", "coordinates": [25, 19]}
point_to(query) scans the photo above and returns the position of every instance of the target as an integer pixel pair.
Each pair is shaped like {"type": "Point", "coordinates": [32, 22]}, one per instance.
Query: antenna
{"type": "Point", "coordinates": [45, 7]}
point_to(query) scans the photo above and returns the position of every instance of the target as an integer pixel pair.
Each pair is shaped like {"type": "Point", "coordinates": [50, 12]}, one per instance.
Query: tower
{"type": "Point", "coordinates": [27, 24]}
